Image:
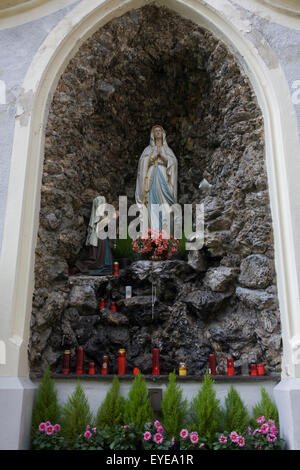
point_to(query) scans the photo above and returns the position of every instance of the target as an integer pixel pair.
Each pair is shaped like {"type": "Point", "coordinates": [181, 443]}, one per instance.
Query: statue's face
{"type": "Point", "coordinates": [158, 133]}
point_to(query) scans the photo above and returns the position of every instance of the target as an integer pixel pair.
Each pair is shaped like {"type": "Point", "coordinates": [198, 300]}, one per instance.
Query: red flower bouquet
{"type": "Point", "coordinates": [157, 245]}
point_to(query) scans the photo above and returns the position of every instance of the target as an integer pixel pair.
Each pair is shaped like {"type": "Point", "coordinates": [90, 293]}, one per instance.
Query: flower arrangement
{"type": "Point", "coordinates": [48, 437]}
{"type": "Point", "coordinates": [156, 244]}
{"type": "Point", "coordinates": [265, 436]}
{"type": "Point", "coordinates": [154, 437]}
{"type": "Point", "coordinates": [191, 441]}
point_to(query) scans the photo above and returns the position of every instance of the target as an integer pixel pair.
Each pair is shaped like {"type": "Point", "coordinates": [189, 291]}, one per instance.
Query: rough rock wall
{"type": "Point", "coordinates": [152, 67]}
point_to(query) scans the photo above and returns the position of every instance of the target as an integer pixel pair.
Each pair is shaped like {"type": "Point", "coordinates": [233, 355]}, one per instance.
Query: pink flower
{"type": "Point", "coordinates": [273, 430]}
{"type": "Point", "coordinates": [147, 436]}
{"type": "Point", "coordinates": [201, 445]}
{"type": "Point", "coordinates": [158, 438]}
{"type": "Point", "coordinates": [157, 424]}
{"type": "Point", "coordinates": [94, 429]}
{"type": "Point", "coordinates": [88, 434]}
{"type": "Point", "coordinates": [173, 440]}
{"type": "Point", "coordinates": [271, 422]}
{"type": "Point", "coordinates": [126, 426]}
{"type": "Point", "coordinates": [234, 436]}
{"type": "Point", "coordinates": [50, 430]}
{"type": "Point", "coordinates": [184, 433]}
{"type": "Point", "coordinates": [223, 439]}
{"type": "Point", "coordinates": [271, 437]}
{"type": "Point", "coordinates": [261, 419]}
{"type": "Point", "coordinates": [57, 428]}
{"type": "Point", "coordinates": [48, 423]}
{"type": "Point", "coordinates": [160, 429]}
{"type": "Point", "coordinates": [264, 428]}
{"type": "Point", "coordinates": [194, 437]}
{"type": "Point", "coordinates": [241, 441]}
{"type": "Point", "coordinates": [42, 427]}
{"type": "Point", "coordinates": [249, 431]}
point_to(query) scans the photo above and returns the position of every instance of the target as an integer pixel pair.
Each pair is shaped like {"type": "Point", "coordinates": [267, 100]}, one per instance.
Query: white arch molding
{"type": "Point", "coordinates": [22, 217]}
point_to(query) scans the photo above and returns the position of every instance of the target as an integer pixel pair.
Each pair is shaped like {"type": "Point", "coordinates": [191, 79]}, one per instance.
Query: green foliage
{"type": "Point", "coordinates": [265, 407]}
{"type": "Point", "coordinates": [137, 408]}
{"type": "Point", "coordinates": [76, 415]}
{"type": "Point", "coordinates": [46, 406]}
{"type": "Point", "coordinates": [173, 408]}
{"type": "Point", "coordinates": [123, 247]}
{"type": "Point", "coordinates": [205, 411]}
{"type": "Point", "coordinates": [235, 415]}
{"type": "Point", "coordinates": [111, 411]}
{"type": "Point", "coordinates": [126, 437]}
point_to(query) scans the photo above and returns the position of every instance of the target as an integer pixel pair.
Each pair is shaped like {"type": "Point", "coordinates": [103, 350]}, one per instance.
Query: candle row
{"type": "Point", "coordinates": [255, 369]}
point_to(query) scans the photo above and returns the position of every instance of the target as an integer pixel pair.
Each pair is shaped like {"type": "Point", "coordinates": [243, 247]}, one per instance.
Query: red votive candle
{"type": "Point", "coordinates": [122, 362]}
{"type": "Point", "coordinates": [113, 306]}
{"type": "Point", "coordinates": [253, 369]}
{"type": "Point", "coordinates": [101, 304]}
{"type": "Point", "coordinates": [230, 367]}
{"type": "Point", "coordinates": [136, 370]}
{"type": "Point", "coordinates": [92, 369]}
{"type": "Point", "coordinates": [155, 361]}
{"type": "Point", "coordinates": [79, 361]}
{"type": "Point", "coordinates": [260, 369]}
{"type": "Point", "coordinates": [66, 362]}
{"type": "Point", "coordinates": [116, 268]}
{"type": "Point", "coordinates": [212, 364]}
{"type": "Point", "coordinates": [104, 367]}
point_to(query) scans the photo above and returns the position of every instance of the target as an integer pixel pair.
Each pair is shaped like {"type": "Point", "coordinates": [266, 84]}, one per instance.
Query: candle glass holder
{"type": "Point", "coordinates": [122, 362]}
{"type": "Point", "coordinates": [155, 361]}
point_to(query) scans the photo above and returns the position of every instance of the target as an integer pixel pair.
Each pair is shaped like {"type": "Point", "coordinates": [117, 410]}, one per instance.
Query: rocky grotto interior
{"type": "Point", "coordinates": [149, 67]}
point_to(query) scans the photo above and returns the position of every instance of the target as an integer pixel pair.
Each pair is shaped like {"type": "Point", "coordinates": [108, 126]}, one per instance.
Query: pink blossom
{"type": "Point", "coordinates": [57, 428]}
{"type": "Point", "coordinates": [160, 429]}
{"type": "Point", "coordinates": [223, 439]}
{"type": "Point", "coordinates": [94, 429]}
{"type": "Point", "coordinates": [48, 423]}
{"type": "Point", "coordinates": [50, 430]}
{"type": "Point", "coordinates": [194, 437]}
{"type": "Point", "coordinates": [271, 422]}
{"type": "Point", "coordinates": [264, 428]}
{"type": "Point", "coordinates": [42, 427]}
{"type": "Point", "coordinates": [249, 431]}
{"type": "Point", "coordinates": [184, 433]}
{"type": "Point", "coordinates": [241, 441]}
{"type": "Point", "coordinates": [273, 430]}
{"type": "Point", "coordinates": [158, 438]}
{"type": "Point", "coordinates": [173, 440]}
{"type": "Point", "coordinates": [271, 437]}
{"type": "Point", "coordinates": [147, 436]}
{"type": "Point", "coordinates": [261, 419]}
{"type": "Point", "coordinates": [201, 445]}
{"type": "Point", "coordinates": [126, 426]}
{"type": "Point", "coordinates": [157, 424]}
{"type": "Point", "coordinates": [234, 436]}
{"type": "Point", "coordinates": [88, 434]}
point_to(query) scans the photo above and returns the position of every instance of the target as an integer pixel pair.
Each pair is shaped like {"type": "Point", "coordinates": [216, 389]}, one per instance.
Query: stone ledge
{"type": "Point", "coordinates": [155, 378]}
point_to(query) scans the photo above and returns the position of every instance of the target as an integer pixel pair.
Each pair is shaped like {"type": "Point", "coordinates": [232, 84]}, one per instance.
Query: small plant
{"type": "Point", "coordinates": [127, 437]}
{"type": "Point", "coordinates": [76, 415]}
{"type": "Point", "coordinates": [205, 411]}
{"type": "Point", "coordinates": [46, 406]}
{"type": "Point", "coordinates": [266, 407]}
{"type": "Point", "coordinates": [266, 435]}
{"type": "Point", "coordinates": [191, 441]}
{"type": "Point", "coordinates": [123, 247]}
{"type": "Point", "coordinates": [137, 408]}
{"type": "Point", "coordinates": [156, 244]}
{"type": "Point", "coordinates": [91, 439]}
{"type": "Point", "coordinates": [48, 437]}
{"type": "Point", "coordinates": [111, 411]}
{"type": "Point", "coordinates": [235, 415]}
{"type": "Point", "coordinates": [154, 437]}
{"type": "Point", "coordinates": [230, 441]}
{"type": "Point", "coordinates": [173, 408]}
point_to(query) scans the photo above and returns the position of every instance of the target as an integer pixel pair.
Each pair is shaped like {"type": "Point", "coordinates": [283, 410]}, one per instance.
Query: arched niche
{"type": "Point", "coordinates": [18, 327]}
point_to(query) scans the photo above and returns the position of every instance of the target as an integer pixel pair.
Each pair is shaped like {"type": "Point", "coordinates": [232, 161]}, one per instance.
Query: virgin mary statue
{"type": "Point", "coordinates": [156, 184]}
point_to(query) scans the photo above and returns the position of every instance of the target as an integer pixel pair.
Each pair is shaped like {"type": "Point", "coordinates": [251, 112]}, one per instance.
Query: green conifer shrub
{"type": "Point", "coordinates": [76, 415]}
{"type": "Point", "coordinates": [265, 407]}
{"type": "Point", "coordinates": [111, 410]}
{"type": "Point", "coordinates": [174, 408]}
{"type": "Point", "coordinates": [205, 411]}
{"type": "Point", "coordinates": [235, 416]}
{"type": "Point", "coordinates": [137, 408]}
{"type": "Point", "coordinates": [45, 407]}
